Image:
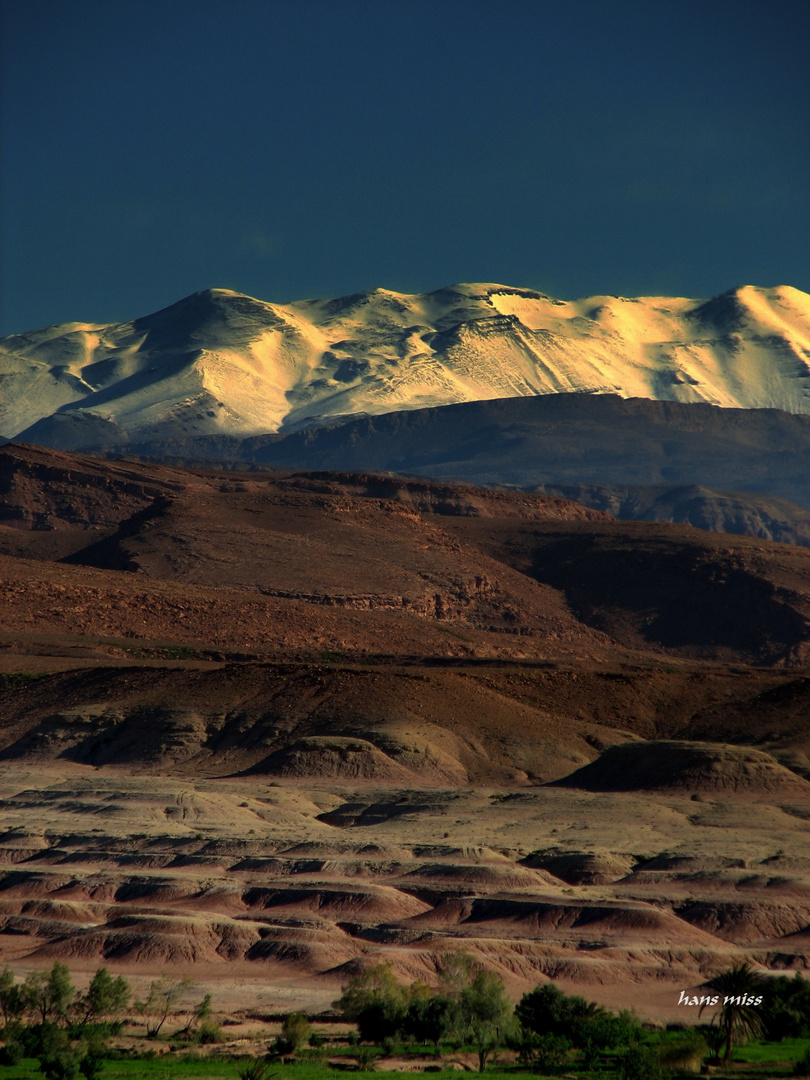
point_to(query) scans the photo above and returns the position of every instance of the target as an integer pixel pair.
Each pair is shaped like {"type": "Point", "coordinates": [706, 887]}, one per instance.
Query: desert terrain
{"type": "Point", "coordinates": [267, 728]}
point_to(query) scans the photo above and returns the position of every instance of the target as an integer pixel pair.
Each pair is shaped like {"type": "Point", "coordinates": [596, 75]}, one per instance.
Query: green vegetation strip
{"type": "Point", "coordinates": [759, 1028]}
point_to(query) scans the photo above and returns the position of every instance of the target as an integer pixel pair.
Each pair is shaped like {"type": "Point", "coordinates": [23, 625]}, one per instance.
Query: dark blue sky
{"type": "Point", "coordinates": [297, 148]}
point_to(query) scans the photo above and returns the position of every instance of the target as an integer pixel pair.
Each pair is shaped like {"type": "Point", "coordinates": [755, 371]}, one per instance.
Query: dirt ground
{"type": "Point", "coordinates": [269, 730]}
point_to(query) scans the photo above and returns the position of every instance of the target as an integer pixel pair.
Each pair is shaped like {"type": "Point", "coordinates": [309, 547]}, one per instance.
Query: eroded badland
{"type": "Point", "coordinates": [269, 728]}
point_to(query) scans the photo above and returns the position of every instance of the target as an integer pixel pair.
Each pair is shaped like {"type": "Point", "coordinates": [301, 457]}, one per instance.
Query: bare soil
{"type": "Point", "coordinates": [268, 729]}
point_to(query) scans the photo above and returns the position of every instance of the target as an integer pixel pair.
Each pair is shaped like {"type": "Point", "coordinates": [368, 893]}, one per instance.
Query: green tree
{"type": "Point", "coordinates": [381, 1020]}
{"type": "Point", "coordinates": [105, 996]}
{"type": "Point", "coordinates": [457, 970]}
{"type": "Point", "coordinates": [546, 1010]}
{"type": "Point", "coordinates": [605, 1031]}
{"type": "Point", "coordinates": [430, 1019]}
{"type": "Point", "coordinates": [48, 996]}
{"type": "Point", "coordinates": [486, 1014]}
{"type": "Point", "coordinates": [374, 984]}
{"type": "Point", "coordinates": [164, 994]}
{"type": "Point", "coordinates": [785, 1007]}
{"type": "Point", "coordinates": [377, 1002]}
{"type": "Point", "coordinates": [58, 1059]}
{"type": "Point", "coordinates": [738, 1014]}
{"type": "Point", "coordinates": [12, 1003]}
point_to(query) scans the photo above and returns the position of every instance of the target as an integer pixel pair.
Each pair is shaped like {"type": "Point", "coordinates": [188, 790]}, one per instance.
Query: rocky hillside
{"type": "Point", "coordinates": [282, 726]}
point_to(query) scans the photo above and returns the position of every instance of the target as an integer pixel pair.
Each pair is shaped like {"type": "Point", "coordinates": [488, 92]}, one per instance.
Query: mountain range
{"type": "Point", "coordinates": [651, 408]}
{"type": "Point", "coordinates": [219, 362]}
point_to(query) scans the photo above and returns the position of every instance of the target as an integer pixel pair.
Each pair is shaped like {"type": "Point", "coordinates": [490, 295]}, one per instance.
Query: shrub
{"type": "Point", "coordinates": [715, 1040]}
{"type": "Point", "coordinates": [684, 1055]}
{"type": "Point", "coordinates": [253, 1070]}
{"type": "Point", "coordinates": [62, 1065]}
{"type": "Point", "coordinates": [296, 1030]}
{"type": "Point", "coordinates": [366, 1058]}
{"type": "Point", "coordinates": [11, 1053]}
{"type": "Point", "coordinates": [209, 1031]}
{"type": "Point", "coordinates": [604, 1031]}
{"type": "Point", "coordinates": [280, 1047]}
{"type": "Point", "coordinates": [92, 1063]}
{"type": "Point", "coordinates": [543, 1052]}
{"type": "Point", "coordinates": [639, 1062]}
{"type": "Point", "coordinates": [802, 1066]}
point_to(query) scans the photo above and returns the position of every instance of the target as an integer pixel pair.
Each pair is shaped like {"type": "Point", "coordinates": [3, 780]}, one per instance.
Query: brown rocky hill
{"type": "Point", "coordinates": [281, 726]}
{"type": "Point", "coordinates": [112, 563]}
{"type": "Point", "coordinates": [687, 766]}
{"type": "Point", "coordinates": [537, 572]}
{"type": "Point", "coordinates": [712, 509]}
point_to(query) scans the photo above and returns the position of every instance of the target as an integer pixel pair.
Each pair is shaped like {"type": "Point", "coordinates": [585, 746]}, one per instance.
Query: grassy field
{"type": "Point", "coordinates": [787, 1050]}
{"type": "Point", "coordinates": [755, 1062]}
{"type": "Point", "coordinates": [204, 1069]}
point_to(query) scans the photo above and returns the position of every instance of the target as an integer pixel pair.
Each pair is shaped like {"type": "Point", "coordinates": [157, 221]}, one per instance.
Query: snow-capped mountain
{"type": "Point", "coordinates": [219, 362]}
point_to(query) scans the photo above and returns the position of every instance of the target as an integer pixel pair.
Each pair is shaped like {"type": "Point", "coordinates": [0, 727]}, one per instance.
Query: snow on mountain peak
{"type": "Point", "coordinates": [219, 361]}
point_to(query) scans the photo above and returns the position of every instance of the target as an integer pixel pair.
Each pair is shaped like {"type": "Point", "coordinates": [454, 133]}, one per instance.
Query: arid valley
{"type": "Point", "coordinates": [270, 728]}
{"type": "Point", "coordinates": [404, 540]}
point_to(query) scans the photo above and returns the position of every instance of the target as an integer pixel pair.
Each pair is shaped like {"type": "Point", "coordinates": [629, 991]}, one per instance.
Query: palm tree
{"type": "Point", "coordinates": [737, 1015]}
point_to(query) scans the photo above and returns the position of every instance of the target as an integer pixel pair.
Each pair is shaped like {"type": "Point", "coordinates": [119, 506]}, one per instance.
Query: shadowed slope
{"type": "Point", "coordinates": [694, 767]}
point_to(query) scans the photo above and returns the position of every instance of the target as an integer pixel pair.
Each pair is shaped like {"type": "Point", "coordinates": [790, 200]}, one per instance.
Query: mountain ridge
{"type": "Point", "coordinates": [221, 362]}
{"type": "Point", "coordinates": [521, 442]}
